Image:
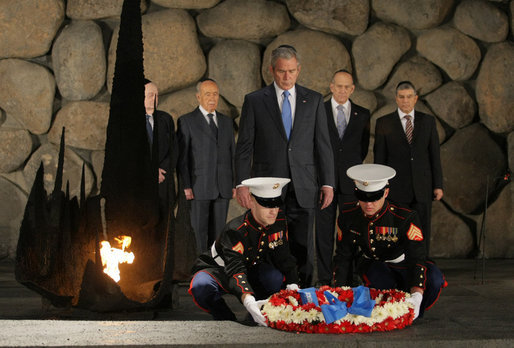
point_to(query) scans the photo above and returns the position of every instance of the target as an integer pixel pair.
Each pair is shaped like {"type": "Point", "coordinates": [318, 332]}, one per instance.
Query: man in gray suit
{"type": "Point", "coordinates": [283, 133]}
{"type": "Point", "coordinates": [206, 149]}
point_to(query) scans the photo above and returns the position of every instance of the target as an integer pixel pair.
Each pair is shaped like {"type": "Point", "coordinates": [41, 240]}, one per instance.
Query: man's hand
{"type": "Point", "coordinates": [326, 196]}
{"type": "Point", "coordinates": [254, 308]}
{"type": "Point", "coordinates": [415, 299]}
{"type": "Point", "coordinates": [161, 175]}
{"type": "Point", "coordinates": [243, 196]}
{"type": "Point", "coordinates": [438, 194]}
{"type": "Point", "coordinates": [233, 193]}
{"type": "Point", "coordinates": [189, 194]}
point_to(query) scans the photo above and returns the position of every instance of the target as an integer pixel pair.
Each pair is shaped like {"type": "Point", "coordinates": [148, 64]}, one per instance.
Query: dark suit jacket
{"type": "Point", "coordinates": [418, 166]}
{"type": "Point", "coordinates": [353, 148]}
{"type": "Point", "coordinates": [164, 131]}
{"type": "Point", "coordinates": [204, 164]}
{"type": "Point", "coordinates": [263, 149]}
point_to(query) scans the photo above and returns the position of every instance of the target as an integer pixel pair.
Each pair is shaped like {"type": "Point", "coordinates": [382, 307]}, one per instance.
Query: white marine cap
{"type": "Point", "coordinates": [370, 177]}
{"type": "Point", "coordinates": [267, 190]}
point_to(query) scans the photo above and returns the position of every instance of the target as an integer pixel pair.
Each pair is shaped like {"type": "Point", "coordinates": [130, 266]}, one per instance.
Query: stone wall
{"type": "Point", "coordinates": [57, 59]}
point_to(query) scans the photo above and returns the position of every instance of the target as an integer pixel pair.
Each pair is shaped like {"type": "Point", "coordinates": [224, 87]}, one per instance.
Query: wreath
{"type": "Point", "coordinates": [338, 310]}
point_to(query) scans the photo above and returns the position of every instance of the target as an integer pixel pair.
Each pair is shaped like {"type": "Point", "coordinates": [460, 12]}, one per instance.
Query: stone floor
{"type": "Point", "coordinates": [471, 312]}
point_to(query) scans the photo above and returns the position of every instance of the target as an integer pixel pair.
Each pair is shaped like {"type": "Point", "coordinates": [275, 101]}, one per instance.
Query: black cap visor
{"type": "Point", "coordinates": [369, 196]}
{"type": "Point", "coordinates": [275, 202]}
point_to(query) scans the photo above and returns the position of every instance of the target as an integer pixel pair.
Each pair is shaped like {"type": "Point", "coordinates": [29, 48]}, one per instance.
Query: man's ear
{"type": "Point", "coordinates": [386, 192]}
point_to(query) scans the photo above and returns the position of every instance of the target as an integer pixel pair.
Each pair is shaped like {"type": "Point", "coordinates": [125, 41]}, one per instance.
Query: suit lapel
{"type": "Point", "coordinates": [397, 124]}
{"type": "Point", "coordinates": [332, 129]}
{"type": "Point", "coordinates": [299, 114]}
{"type": "Point", "coordinates": [418, 126]}
{"type": "Point", "coordinates": [202, 123]}
{"type": "Point", "coordinates": [271, 103]}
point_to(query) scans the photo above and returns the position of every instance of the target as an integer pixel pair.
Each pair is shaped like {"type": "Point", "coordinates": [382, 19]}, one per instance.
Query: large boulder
{"type": "Point", "coordinates": [96, 9]}
{"type": "Point", "coordinates": [335, 17]}
{"type": "Point", "coordinates": [187, 4]}
{"type": "Point", "coordinates": [453, 104]}
{"type": "Point", "coordinates": [450, 237]}
{"type": "Point", "coordinates": [423, 74]}
{"type": "Point", "coordinates": [364, 98]}
{"type": "Point", "coordinates": [457, 54]}
{"type": "Point", "coordinates": [97, 162]}
{"type": "Point", "coordinates": [235, 66]}
{"type": "Point", "coordinates": [412, 14]}
{"type": "Point", "coordinates": [78, 116]}
{"type": "Point", "coordinates": [499, 227]}
{"type": "Point", "coordinates": [320, 56]}
{"type": "Point", "coordinates": [173, 58]}
{"type": "Point", "coordinates": [184, 101]}
{"type": "Point", "coordinates": [16, 148]}
{"type": "Point", "coordinates": [482, 20]}
{"type": "Point", "coordinates": [495, 88]}
{"type": "Point", "coordinates": [376, 52]}
{"type": "Point", "coordinates": [468, 159]}
{"type": "Point", "coordinates": [48, 154]}
{"type": "Point", "coordinates": [78, 58]}
{"type": "Point", "coordinates": [28, 27]}
{"type": "Point", "coordinates": [244, 19]}
{"type": "Point", "coordinates": [27, 93]}
{"type": "Point", "coordinates": [11, 214]}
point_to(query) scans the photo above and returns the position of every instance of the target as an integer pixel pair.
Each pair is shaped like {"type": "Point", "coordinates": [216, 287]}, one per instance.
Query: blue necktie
{"type": "Point", "coordinates": [286, 114]}
{"type": "Point", "coordinates": [149, 130]}
{"type": "Point", "coordinates": [341, 121]}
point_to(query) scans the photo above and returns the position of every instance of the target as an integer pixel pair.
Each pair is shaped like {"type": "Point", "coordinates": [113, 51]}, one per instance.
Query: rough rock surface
{"type": "Point", "coordinates": [468, 158]}
{"type": "Point", "coordinates": [48, 154]}
{"type": "Point", "coordinates": [78, 58]}
{"type": "Point", "coordinates": [27, 93]}
{"type": "Point", "coordinates": [423, 74]}
{"type": "Point", "coordinates": [450, 236]}
{"type": "Point", "coordinates": [412, 14]}
{"type": "Point", "coordinates": [11, 214]}
{"type": "Point", "coordinates": [495, 88]}
{"type": "Point", "coordinates": [96, 9]}
{"type": "Point", "coordinates": [28, 27]}
{"type": "Point", "coordinates": [77, 117]}
{"type": "Point", "coordinates": [510, 150]}
{"type": "Point", "coordinates": [235, 66]}
{"type": "Point", "coordinates": [231, 20]}
{"type": "Point", "coordinates": [364, 98]}
{"type": "Point", "coordinates": [457, 54]}
{"type": "Point", "coordinates": [187, 4]}
{"type": "Point", "coordinates": [335, 17]}
{"type": "Point", "coordinates": [97, 162]}
{"type": "Point", "coordinates": [482, 20]}
{"type": "Point", "coordinates": [453, 104]}
{"type": "Point", "coordinates": [173, 58]}
{"type": "Point", "coordinates": [315, 49]}
{"type": "Point", "coordinates": [16, 148]}
{"type": "Point", "coordinates": [376, 52]}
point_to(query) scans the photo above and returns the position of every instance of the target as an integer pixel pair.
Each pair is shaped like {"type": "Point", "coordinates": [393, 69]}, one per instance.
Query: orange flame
{"type": "Point", "coordinates": [112, 257]}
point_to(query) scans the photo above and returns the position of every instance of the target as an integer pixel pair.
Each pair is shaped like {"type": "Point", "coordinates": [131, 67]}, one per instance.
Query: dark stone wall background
{"type": "Point", "coordinates": [57, 59]}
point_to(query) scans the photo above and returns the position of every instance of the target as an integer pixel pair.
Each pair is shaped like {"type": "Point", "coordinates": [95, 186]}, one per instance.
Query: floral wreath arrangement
{"type": "Point", "coordinates": [338, 310]}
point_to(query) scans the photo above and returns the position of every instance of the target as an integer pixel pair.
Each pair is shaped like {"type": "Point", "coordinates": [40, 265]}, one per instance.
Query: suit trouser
{"type": "Point", "coordinates": [207, 291]}
{"type": "Point", "coordinates": [300, 226]}
{"type": "Point", "coordinates": [208, 218]}
{"type": "Point", "coordinates": [325, 236]}
{"type": "Point", "coordinates": [384, 275]}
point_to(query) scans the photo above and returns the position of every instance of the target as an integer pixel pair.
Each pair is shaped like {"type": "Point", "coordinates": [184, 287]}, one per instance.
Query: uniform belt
{"type": "Point", "coordinates": [396, 260]}
{"type": "Point", "coordinates": [215, 255]}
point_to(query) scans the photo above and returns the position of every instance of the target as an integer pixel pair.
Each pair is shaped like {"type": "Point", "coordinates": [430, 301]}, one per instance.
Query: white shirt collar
{"type": "Point", "coordinates": [402, 114]}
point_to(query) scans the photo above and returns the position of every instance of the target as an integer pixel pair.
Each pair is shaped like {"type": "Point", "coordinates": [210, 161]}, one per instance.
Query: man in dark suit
{"type": "Point", "coordinates": [407, 140]}
{"type": "Point", "coordinates": [348, 126]}
{"type": "Point", "coordinates": [159, 124]}
{"type": "Point", "coordinates": [283, 133]}
{"type": "Point", "coordinates": [205, 165]}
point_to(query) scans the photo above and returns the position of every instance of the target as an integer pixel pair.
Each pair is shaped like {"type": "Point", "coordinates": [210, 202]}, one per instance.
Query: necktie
{"type": "Point", "coordinates": [286, 114]}
{"type": "Point", "coordinates": [341, 121]}
{"type": "Point", "coordinates": [214, 129]}
{"type": "Point", "coordinates": [149, 130]}
{"type": "Point", "coordinates": [408, 128]}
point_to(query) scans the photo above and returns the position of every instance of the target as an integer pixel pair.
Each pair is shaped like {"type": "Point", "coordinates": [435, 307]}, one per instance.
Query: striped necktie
{"type": "Point", "coordinates": [408, 128]}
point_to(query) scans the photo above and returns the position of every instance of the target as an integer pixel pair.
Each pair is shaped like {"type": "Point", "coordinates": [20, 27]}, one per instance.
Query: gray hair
{"type": "Point", "coordinates": [284, 52]}
{"type": "Point", "coordinates": [403, 85]}
{"type": "Point", "coordinates": [199, 84]}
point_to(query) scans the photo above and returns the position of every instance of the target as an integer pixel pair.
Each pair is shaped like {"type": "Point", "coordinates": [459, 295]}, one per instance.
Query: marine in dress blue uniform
{"type": "Point", "coordinates": [386, 240]}
{"type": "Point", "coordinates": [251, 257]}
